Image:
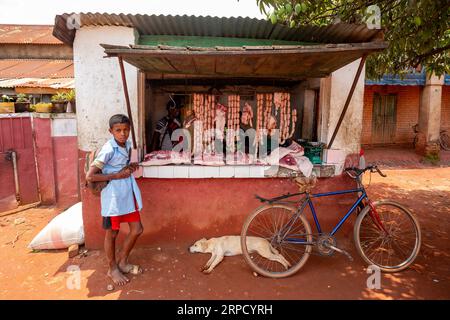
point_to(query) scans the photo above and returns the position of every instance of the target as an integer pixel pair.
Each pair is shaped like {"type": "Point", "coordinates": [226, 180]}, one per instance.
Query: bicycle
{"type": "Point", "coordinates": [444, 138]}
{"type": "Point", "coordinates": [386, 234]}
{"type": "Point", "coordinates": [415, 128]}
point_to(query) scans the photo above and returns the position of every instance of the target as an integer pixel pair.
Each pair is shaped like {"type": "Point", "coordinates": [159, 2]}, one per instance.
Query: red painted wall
{"type": "Point", "coordinates": [189, 209]}
{"type": "Point", "coordinates": [445, 111]}
{"type": "Point", "coordinates": [65, 153]}
{"type": "Point", "coordinates": [408, 101]}
{"type": "Point", "coordinates": [45, 161]}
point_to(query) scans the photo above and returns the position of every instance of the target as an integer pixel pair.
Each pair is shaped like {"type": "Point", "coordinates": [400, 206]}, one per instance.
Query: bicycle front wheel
{"type": "Point", "coordinates": [389, 238]}
{"type": "Point", "coordinates": [276, 241]}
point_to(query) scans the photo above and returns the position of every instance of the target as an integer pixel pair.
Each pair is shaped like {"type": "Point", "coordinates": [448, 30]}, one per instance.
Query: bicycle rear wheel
{"type": "Point", "coordinates": [444, 141]}
{"type": "Point", "coordinates": [284, 233]}
{"type": "Point", "coordinates": [391, 241]}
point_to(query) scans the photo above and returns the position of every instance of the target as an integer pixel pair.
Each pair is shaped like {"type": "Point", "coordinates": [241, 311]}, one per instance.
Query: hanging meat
{"type": "Point", "coordinates": [233, 121]}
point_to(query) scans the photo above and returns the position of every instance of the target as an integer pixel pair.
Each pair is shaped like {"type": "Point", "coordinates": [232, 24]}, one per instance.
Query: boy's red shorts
{"type": "Point", "coordinates": [114, 222]}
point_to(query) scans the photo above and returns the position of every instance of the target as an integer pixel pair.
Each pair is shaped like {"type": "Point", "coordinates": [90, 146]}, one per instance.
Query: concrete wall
{"type": "Point", "coordinates": [57, 158]}
{"type": "Point", "coordinates": [430, 108]}
{"type": "Point", "coordinates": [408, 101]}
{"type": "Point", "coordinates": [98, 83]}
{"type": "Point", "coordinates": [333, 93]}
{"type": "Point", "coordinates": [47, 158]}
{"type": "Point", "coordinates": [184, 210]}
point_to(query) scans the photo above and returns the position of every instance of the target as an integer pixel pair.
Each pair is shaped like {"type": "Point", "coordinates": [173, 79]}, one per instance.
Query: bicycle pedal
{"type": "Point", "coordinates": [342, 251]}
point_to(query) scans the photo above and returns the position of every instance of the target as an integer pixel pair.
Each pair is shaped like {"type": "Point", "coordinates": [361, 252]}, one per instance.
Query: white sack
{"type": "Point", "coordinates": [63, 231]}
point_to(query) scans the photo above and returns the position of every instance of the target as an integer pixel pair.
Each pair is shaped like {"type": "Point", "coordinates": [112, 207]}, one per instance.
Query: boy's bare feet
{"type": "Point", "coordinates": [117, 277]}
{"type": "Point", "coordinates": [126, 267]}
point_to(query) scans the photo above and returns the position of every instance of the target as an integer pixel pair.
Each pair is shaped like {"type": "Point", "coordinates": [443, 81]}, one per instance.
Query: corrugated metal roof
{"type": "Point", "coordinates": [27, 34]}
{"type": "Point", "coordinates": [58, 83]}
{"type": "Point", "coordinates": [237, 27]}
{"type": "Point", "coordinates": [280, 61]}
{"type": "Point", "coordinates": [38, 68]}
{"type": "Point", "coordinates": [410, 79]}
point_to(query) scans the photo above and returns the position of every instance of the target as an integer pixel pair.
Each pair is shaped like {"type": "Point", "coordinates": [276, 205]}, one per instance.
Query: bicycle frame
{"type": "Point", "coordinates": [349, 212]}
{"type": "Point", "coordinates": [309, 202]}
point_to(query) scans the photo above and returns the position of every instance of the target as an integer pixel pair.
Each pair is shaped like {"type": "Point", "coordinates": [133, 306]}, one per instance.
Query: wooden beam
{"type": "Point", "coordinates": [326, 48]}
{"type": "Point", "coordinates": [127, 100]}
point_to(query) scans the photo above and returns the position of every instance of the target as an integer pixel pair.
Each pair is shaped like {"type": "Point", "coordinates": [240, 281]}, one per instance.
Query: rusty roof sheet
{"type": "Point", "coordinates": [36, 68]}
{"type": "Point", "coordinates": [27, 34]}
{"type": "Point", "coordinates": [236, 27]}
{"type": "Point", "coordinates": [58, 83]}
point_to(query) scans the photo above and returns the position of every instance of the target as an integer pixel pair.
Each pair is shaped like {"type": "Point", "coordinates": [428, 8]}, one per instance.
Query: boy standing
{"type": "Point", "coordinates": [121, 199]}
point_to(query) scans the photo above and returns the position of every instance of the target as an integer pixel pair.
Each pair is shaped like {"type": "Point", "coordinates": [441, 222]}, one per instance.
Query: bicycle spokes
{"type": "Point", "coordinates": [388, 236]}
{"type": "Point", "coordinates": [287, 235]}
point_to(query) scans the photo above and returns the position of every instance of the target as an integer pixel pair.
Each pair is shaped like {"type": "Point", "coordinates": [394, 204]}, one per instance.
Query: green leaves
{"type": "Point", "coordinates": [418, 31]}
{"type": "Point", "coordinates": [273, 18]}
{"type": "Point", "coordinates": [417, 21]}
{"type": "Point", "coordinates": [304, 7]}
{"type": "Point", "coordinates": [288, 9]}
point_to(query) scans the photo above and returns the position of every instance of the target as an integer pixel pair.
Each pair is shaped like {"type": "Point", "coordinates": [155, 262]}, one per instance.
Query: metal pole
{"type": "Point", "coordinates": [16, 176]}
{"type": "Point", "coordinates": [127, 100]}
{"type": "Point", "coordinates": [349, 97]}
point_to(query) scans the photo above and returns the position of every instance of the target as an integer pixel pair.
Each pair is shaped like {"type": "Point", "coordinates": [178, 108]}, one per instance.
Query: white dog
{"type": "Point", "coordinates": [231, 246]}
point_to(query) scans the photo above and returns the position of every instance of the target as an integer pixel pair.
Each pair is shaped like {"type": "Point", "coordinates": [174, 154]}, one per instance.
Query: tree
{"type": "Point", "coordinates": [418, 31]}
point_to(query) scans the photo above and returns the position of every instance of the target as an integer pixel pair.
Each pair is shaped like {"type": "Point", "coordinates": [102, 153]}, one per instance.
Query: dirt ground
{"type": "Point", "coordinates": [171, 272]}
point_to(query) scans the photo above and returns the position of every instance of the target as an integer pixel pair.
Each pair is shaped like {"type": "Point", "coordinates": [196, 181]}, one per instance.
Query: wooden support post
{"type": "Point", "coordinates": [127, 100]}
{"type": "Point", "coordinates": [349, 97]}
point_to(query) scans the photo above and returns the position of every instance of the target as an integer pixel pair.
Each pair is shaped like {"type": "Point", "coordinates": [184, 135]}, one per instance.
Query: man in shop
{"type": "Point", "coordinates": [162, 136]}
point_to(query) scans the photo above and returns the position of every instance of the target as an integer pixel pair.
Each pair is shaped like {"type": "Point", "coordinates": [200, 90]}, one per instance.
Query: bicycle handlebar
{"type": "Point", "coordinates": [372, 168]}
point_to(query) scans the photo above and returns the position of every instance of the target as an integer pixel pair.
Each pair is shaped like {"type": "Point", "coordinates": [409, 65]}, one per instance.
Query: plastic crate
{"type": "Point", "coordinates": [314, 153]}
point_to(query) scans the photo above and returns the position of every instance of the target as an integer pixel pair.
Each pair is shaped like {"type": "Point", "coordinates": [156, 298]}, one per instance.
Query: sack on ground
{"type": "Point", "coordinates": [63, 231]}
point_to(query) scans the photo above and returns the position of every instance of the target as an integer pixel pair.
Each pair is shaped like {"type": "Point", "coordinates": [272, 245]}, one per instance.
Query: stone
{"type": "Point", "coordinates": [73, 250]}
{"type": "Point", "coordinates": [19, 221]}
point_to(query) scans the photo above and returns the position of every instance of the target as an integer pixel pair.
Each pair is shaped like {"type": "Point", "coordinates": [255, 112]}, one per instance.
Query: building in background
{"type": "Point", "coordinates": [38, 151]}
{"type": "Point", "coordinates": [34, 62]}
{"type": "Point", "coordinates": [392, 106]}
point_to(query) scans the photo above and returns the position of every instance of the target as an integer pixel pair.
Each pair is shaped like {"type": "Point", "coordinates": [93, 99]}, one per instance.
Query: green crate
{"type": "Point", "coordinates": [314, 153]}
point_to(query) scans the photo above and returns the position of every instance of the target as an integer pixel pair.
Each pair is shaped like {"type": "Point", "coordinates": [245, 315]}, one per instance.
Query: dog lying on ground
{"type": "Point", "coordinates": [231, 246]}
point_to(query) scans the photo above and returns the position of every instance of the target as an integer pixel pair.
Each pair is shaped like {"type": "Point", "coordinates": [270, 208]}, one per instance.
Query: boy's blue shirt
{"type": "Point", "coordinates": [117, 196]}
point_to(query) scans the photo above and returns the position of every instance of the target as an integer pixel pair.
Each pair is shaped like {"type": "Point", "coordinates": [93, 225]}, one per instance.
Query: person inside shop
{"type": "Point", "coordinates": [162, 136]}
{"type": "Point", "coordinates": [246, 123]}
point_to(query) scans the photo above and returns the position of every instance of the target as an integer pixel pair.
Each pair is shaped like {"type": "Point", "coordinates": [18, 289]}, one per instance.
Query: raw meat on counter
{"type": "Point", "coordinates": [240, 158]}
{"type": "Point", "coordinates": [297, 162]}
{"type": "Point", "coordinates": [291, 157]}
{"type": "Point", "coordinates": [163, 157]}
{"type": "Point", "coordinates": [210, 159]}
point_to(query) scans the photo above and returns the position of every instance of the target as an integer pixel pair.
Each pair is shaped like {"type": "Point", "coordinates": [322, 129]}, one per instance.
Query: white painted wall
{"type": "Point", "coordinates": [98, 83]}
{"type": "Point", "coordinates": [333, 93]}
{"type": "Point", "coordinates": [64, 127]}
